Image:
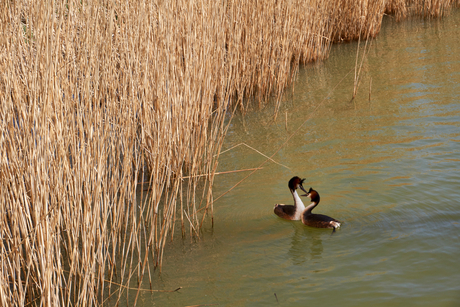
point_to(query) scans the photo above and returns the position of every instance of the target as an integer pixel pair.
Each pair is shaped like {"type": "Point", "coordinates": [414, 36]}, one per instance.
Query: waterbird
{"type": "Point", "coordinates": [317, 220]}
{"type": "Point", "coordinates": [292, 212]}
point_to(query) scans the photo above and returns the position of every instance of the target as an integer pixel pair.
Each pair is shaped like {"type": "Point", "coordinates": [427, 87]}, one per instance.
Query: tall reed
{"type": "Point", "coordinates": [98, 97]}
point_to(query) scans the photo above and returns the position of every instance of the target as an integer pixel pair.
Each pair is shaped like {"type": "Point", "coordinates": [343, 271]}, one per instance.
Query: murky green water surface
{"type": "Point", "coordinates": [388, 168]}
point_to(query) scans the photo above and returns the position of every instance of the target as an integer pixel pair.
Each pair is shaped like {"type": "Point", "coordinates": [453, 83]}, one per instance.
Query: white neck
{"type": "Point", "coordinates": [310, 207]}
{"type": "Point", "coordinates": [299, 205]}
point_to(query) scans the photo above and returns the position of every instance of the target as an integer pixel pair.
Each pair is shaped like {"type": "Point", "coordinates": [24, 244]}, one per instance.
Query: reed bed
{"type": "Point", "coordinates": [357, 19]}
{"type": "Point", "coordinates": [101, 99]}
{"type": "Point", "coordinates": [424, 8]}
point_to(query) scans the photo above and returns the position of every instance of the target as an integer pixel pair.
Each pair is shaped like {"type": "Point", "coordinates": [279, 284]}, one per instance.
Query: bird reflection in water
{"type": "Point", "coordinates": [306, 244]}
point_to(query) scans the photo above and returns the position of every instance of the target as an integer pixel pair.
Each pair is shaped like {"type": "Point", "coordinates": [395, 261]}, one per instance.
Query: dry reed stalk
{"type": "Point", "coordinates": [98, 95]}
{"type": "Point", "coordinates": [359, 68]}
{"type": "Point", "coordinates": [370, 88]}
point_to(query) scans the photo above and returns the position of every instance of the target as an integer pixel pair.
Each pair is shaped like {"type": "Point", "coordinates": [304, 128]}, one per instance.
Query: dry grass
{"type": "Point", "coordinates": [97, 96]}
{"type": "Point", "coordinates": [357, 18]}
{"type": "Point", "coordinates": [424, 8]}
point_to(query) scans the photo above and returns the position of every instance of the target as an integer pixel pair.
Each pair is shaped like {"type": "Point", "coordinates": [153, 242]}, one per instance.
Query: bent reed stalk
{"type": "Point", "coordinates": [97, 96]}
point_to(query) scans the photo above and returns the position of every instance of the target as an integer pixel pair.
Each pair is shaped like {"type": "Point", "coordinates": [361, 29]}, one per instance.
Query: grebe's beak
{"type": "Point", "coordinates": [303, 189]}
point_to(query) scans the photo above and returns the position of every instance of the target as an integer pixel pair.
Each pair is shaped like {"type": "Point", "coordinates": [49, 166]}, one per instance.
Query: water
{"type": "Point", "coordinates": [387, 167]}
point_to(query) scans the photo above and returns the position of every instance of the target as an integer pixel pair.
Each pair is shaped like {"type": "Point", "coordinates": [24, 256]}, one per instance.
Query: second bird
{"type": "Point", "coordinates": [317, 220]}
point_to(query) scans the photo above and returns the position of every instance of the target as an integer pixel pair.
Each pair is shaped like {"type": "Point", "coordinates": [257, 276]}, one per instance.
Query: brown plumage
{"type": "Point", "coordinates": [317, 220]}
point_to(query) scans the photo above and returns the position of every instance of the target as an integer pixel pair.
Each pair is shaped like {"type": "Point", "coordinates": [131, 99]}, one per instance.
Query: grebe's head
{"type": "Point", "coordinates": [296, 183]}
{"type": "Point", "coordinates": [314, 196]}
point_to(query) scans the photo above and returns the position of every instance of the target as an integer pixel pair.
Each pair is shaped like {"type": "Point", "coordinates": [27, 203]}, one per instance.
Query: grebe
{"type": "Point", "coordinates": [317, 220]}
{"type": "Point", "coordinates": [292, 212]}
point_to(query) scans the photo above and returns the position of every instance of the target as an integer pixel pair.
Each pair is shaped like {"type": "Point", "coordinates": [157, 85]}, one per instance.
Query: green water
{"type": "Point", "coordinates": [388, 168]}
